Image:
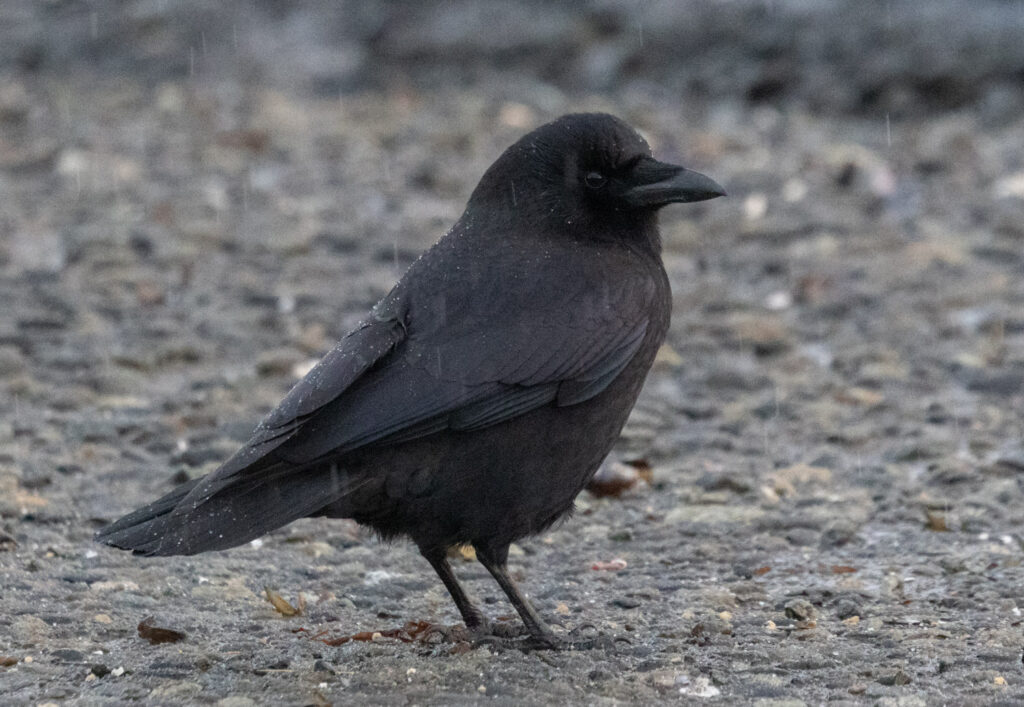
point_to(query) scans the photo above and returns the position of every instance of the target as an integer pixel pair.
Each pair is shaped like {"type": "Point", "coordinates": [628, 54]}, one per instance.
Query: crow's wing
{"type": "Point", "coordinates": [540, 348]}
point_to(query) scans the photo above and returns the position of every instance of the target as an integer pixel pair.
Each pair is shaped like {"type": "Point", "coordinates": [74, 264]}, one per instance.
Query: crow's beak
{"type": "Point", "coordinates": [654, 184]}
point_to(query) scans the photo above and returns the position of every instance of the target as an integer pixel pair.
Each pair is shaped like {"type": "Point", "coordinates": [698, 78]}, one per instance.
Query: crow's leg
{"type": "Point", "coordinates": [496, 564]}
{"type": "Point", "coordinates": [475, 620]}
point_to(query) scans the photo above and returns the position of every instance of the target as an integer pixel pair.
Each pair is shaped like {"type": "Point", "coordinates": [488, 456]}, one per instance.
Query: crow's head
{"type": "Point", "coordinates": [586, 171]}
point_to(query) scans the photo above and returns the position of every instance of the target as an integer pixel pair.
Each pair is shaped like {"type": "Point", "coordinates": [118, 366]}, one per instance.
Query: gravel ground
{"type": "Point", "coordinates": [199, 199]}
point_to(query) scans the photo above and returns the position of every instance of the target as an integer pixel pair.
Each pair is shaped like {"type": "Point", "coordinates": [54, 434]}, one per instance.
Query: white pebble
{"type": "Point", "coordinates": [755, 206]}
{"type": "Point", "coordinates": [779, 300]}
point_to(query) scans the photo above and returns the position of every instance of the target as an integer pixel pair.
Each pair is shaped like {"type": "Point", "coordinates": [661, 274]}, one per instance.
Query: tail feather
{"type": "Point", "coordinates": [183, 523]}
{"type": "Point", "coordinates": [141, 528]}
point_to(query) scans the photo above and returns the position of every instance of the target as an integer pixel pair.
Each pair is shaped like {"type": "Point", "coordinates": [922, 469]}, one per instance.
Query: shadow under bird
{"type": "Point", "coordinates": [479, 397]}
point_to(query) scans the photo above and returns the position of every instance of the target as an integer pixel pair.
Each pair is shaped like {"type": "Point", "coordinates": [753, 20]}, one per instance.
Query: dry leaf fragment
{"type": "Point", "coordinates": [158, 634]}
{"type": "Point", "coordinates": [463, 552]}
{"type": "Point", "coordinates": [668, 356]}
{"type": "Point", "coordinates": [282, 605]}
{"type": "Point", "coordinates": [935, 520]}
{"type": "Point", "coordinates": [609, 565]}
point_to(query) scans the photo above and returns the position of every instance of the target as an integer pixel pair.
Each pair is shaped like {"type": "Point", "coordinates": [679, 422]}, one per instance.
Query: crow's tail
{"type": "Point", "coordinates": [143, 527]}
{"type": "Point", "coordinates": [217, 513]}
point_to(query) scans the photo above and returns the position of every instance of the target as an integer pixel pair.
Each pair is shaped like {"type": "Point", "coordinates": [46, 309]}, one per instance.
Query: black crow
{"type": "Point", "coordinates": [478, 398]}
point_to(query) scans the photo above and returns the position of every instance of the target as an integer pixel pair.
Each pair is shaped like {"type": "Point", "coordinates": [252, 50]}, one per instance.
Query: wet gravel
{"type": "Point", "coordinates": [198, 200]}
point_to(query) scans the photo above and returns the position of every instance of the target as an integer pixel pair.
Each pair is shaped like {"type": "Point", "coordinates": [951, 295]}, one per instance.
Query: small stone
{"type": "Point", "coordinates": [802, 537]}
{"type": "Point", "coordinates": [899, 677]}
{"type": "Point", "coordinates": [800, 609]}
{"type": "Point", "coordinates": [846, 608]}
{"type": "Point", "coordinates": [838, 534]}
{"type": "Point", "coordinates": [322, 667]}
{"type": "Point", "coordinates": [517, 115]}
{"type": "Point", "coordinates": [755, 206]}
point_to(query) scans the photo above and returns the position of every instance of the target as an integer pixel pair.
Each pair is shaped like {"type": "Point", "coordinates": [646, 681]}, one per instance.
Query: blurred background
{"type": "Point", "coordinates": [197, 199]}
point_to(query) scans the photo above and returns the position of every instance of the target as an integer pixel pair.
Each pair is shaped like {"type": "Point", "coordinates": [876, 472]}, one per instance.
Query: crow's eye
{"type": "Point", "coordinates": [595, 180]}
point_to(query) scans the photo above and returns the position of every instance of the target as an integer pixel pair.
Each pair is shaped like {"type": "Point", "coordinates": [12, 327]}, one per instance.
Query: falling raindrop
{"type": "Point", "coordinates": [888, 131]}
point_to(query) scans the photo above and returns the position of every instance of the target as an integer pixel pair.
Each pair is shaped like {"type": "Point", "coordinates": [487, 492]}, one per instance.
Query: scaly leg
{"type": "Point", "coordinates": [496, 564]}
{"type": "Point", "coordinates": [475, 620]}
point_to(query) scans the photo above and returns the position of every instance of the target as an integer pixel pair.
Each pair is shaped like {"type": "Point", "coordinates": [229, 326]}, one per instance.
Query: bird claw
{"type": "Point", "coordinates": [494, 633]}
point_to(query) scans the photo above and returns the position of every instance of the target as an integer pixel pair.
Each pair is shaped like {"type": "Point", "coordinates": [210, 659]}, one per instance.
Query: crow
{"type": "Point", "coordinates": [480, 395]}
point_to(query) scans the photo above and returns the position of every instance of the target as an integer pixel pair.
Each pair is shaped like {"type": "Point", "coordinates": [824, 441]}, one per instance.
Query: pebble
{"type": "Point", "coordinates": [846, 608]}
{"type": "Point", "coordinates": [800, 609]}
{"type": "Point", "coordinates": [897, 677]}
